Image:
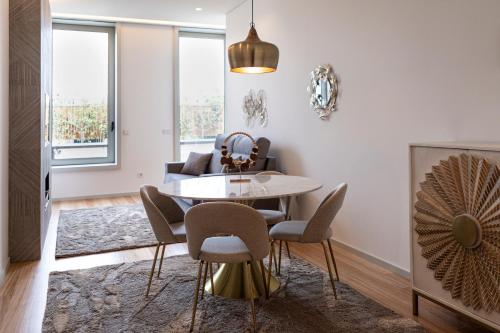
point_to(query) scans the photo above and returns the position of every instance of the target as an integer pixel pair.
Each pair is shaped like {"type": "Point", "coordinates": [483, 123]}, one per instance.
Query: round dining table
{"type": "Point", "coordinates": [230, 279]}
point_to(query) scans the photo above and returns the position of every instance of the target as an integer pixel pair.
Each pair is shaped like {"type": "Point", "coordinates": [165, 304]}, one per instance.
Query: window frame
{"type": "Point", "coordinates": [193, 33]}
{"type": "Point", "coordinates": [111, 158]}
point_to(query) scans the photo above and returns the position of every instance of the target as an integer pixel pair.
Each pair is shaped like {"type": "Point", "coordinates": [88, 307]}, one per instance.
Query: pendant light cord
{"type": "Point", "coordinates": [252, 24]}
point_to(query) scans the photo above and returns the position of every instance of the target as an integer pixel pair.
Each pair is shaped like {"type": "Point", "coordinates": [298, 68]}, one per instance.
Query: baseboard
{"type": "Point", "coordinates": [374, 259]}
{"type": "Point", "coordinates": [3, 271]}
{"type": "Point", "coordinates": [95, 196]}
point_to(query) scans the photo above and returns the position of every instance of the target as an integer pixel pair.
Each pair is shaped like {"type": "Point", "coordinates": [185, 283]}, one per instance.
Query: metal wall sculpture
{"type": "Point", "coordinates": [255, 108]}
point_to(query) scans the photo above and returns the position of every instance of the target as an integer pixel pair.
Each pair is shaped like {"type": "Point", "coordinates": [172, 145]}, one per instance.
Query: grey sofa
{"type": "Point", "coordinates": [239, 145]}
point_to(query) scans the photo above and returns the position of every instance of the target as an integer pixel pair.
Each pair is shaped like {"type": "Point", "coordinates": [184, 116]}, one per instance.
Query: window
{"type": "Point", "coordinates": [201, 91]}
{"type": "Point", "coordinates": [83, 106]}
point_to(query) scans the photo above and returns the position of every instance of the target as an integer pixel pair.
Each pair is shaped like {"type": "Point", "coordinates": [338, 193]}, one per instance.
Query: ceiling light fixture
{"type": "Point", "coordinates": [253, 56]}
{"type": "Point", "coordinates": [198, 9]}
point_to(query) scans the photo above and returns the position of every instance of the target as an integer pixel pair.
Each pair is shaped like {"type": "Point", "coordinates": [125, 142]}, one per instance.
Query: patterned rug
{"type": "Point", "coordinates": [111, 299]}
{"type": "Point", "coordinates": [105, 229]}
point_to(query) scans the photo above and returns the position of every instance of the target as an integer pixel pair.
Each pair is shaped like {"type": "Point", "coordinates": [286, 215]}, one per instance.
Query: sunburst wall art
{"type": "Point", "coordinates": [458, 225]}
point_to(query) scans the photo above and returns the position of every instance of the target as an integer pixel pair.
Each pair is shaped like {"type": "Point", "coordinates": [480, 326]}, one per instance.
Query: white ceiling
{"type": "Point", "coordinates": [177, 12]}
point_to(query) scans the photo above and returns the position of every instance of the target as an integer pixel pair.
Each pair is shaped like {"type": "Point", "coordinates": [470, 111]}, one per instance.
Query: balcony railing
{"type": "Point", "coordinates": [197, 141]}
{"type": "Point", "coordinates": [80, 145]}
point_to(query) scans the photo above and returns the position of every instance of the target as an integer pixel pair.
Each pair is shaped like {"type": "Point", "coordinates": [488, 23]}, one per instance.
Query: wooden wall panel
{"type": "Point", "coordinates": [46, 54]}
{"type": "Point", "coordinates": [30, 81]}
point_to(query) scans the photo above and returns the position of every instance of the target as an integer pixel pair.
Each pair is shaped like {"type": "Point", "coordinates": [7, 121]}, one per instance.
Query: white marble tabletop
{"type": "Point", "coordinates": [220, 188]}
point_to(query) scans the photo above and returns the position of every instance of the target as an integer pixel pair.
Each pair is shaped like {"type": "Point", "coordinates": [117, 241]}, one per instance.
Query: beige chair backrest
{"type": "Point", "coordinates": [226, 218]}
{"type": "Point", "coordinates": [161, 211]}
{"type": "Point", "coordinates": [320, 222]}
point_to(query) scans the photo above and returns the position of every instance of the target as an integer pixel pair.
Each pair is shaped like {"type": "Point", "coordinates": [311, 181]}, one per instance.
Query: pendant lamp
{"type": "Point", "coordinates": [253, 56]}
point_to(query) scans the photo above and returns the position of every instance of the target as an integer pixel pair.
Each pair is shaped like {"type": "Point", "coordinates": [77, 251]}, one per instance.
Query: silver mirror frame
{"type": "Point", "coordinates": [321, 73]}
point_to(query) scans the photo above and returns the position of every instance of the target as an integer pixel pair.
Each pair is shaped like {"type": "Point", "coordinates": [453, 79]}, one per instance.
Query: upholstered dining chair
{"type": "Point", "coordinates": [316, 230]}
{"type": "Point", "coordinates": [167, 221]}
{"type": "Point", "coordinates": [273, 217]}
{"type": "Point", "coordinates": [248, 240]}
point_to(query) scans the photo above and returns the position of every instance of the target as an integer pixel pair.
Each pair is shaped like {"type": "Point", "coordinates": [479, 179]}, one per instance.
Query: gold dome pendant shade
{"type": "Point", "coordinates": [253, 56]}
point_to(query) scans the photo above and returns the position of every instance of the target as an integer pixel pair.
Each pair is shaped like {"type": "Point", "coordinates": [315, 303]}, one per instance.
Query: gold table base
{"type": "Point", "coordinates": [231, 281]}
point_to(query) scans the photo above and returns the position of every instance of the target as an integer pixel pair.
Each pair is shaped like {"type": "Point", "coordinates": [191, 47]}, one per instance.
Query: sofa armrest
{"type": "Point", "coordinates": [173, 167]}
{"type": "Point", "coordinates": [170, 168]}
{"type": "Point", "coordinates": [271, 163]}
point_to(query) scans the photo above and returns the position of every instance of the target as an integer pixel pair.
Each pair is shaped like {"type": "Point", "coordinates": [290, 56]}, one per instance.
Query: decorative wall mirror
{"type": "Point", "coordinates": [323, 89]}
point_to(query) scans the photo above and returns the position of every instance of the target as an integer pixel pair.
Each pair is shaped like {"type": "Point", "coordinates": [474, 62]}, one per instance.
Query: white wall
{"type": "Point", "coordinates": [4, 135]}
{"type": "Point", "coordinates": [410, 71]}
{"type": "Point", "coordinates": [146, 104]}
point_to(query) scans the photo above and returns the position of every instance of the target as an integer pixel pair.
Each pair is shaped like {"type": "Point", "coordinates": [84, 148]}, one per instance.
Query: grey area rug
{"type": "Point", "coordinates": [105, 229]}
{"type": "Point", "coordinates": [111, 299]}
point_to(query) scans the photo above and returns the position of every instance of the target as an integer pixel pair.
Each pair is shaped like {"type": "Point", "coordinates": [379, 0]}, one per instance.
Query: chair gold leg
{"type": "Point", "coordinates": [204, 280]}
{"type": "Point", "coordinates": [196, 292]}
{"type": "Point", "coordinates": [161, 260]}
{"type": "Point", "coordinates": [270, 268]}
{"type": "Point", "coordinates": [329, 269]}
{"type": "Point", "coordinates": [212, 280]}
{"type": "Point", "coordinates": [275, 261]}
{"type": "Point", "coordinates": [288, 250]}
{"type": "Point", "coordinates": [279, 258]}
{"type": "Point", "coordinates": [153, 269]}
{"type": "Point", "coordinates": [252, 303]}
{"type": "Point", "coordinates": [333, 259]}
{"type": "Point", "coordinates": [261, 263]}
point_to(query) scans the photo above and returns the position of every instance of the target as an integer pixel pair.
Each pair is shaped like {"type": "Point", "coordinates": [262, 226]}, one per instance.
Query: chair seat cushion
{"type": "Point", "coordinates": [179, 231]}
{"type": "Point", "coordinates": [272, 216]}
{"type": "Point", "coordinates": [227, 249]}
{"type": "Point", "coordinates": [291, 231]}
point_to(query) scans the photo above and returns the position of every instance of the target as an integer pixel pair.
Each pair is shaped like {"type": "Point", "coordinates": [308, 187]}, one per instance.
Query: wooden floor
{"type": "Point", "coordinates": [23, 294]}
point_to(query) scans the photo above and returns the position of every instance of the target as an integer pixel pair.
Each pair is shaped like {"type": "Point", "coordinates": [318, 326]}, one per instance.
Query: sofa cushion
{"type": "Point", "coordinates": [219, 141]}
{"type": "Point", "coordinates": [196, 164]}
{"type": "Point", "coordinates": [214, 166]}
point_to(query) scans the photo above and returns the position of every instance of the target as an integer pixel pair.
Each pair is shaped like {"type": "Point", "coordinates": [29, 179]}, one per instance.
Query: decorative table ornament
{"type": "Point", "coordinates": [456, 228]}
{"type": "Point", "coordinates": [323, 89]}
{"type": "Point", "coordinates": [255, 108]}
{"type": "Point", "coordinates": [229, 162]}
